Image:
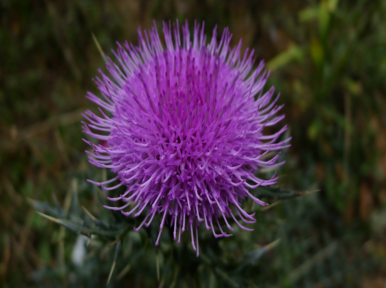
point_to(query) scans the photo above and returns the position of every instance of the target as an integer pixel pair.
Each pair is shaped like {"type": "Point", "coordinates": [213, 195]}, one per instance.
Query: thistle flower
{"type": "Point", "coordinates": [184, 129]}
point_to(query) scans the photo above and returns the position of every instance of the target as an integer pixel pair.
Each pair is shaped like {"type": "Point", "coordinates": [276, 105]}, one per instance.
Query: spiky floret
{"type": "Point", "coordinates": [185, 132]}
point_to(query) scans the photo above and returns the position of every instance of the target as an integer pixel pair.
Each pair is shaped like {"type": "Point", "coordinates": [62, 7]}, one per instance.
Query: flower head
{"type": "Point", "coordinates": [185, 129]}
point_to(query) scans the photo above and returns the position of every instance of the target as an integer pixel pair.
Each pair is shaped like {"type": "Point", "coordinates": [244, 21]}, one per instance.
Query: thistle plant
{"type": "Point", "coordinates": [181, 134]}
{"type": "Point", "coordinates": [181, 127]}
{"type": "Point", "coordinates": [169, 132]}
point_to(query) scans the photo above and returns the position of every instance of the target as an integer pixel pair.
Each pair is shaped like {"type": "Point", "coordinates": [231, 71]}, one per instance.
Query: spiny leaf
{"type": "Point", "coordinates": [250, 258]}
{"type": "Point", "coordinates": [279, 193]}
{"type": "Point", "coordinates": [270, 206]}
{"type": "Point", "coordinates": [88, 213]}
{"type": "Point", "coordinates": [118, 216]}
{"type": "Point", "coordinates": [99, 48]}
{"type": "Point", "coordinates": [88, 228]}
{"type": "Point", "coordinates": [46, 208]}
{"type": "Point", "coordinates": [225, 276]}
{"type": "Point", "coordinates": [117, 249]}
{"type": "Point", "coordinates": [119, 237]}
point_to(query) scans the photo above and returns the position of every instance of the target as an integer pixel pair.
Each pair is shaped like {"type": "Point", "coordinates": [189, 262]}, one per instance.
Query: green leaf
{"type": "Point", "coordinates": [279, 193]}
{"type": "Point", "coordinates": [317, 52]}
{"type": "Point", "coordinates": [331, 5]}
{"type": "Point", "coordinates": [324, 19]}
{"type": "Point", "coordinates": [308, 14]}
{"type": "Point", "coordinates": [291, 54]}
{"type": "Point", "coordinates": [225, 276]}
{"type": "Point", "coordinates": [251, 258]}
{"type": "Point", "coordinates": [90, 228]}
{"type": "Point", "coordinates": [47, 209]}
{"type": "Point", "coordinates": [116, 252]}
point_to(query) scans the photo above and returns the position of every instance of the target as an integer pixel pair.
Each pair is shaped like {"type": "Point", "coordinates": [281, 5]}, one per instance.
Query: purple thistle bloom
{"type": "Point", "coordinates": [185, 133]}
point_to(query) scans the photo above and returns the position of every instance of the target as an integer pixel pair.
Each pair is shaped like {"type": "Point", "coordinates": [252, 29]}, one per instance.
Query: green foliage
{"type": "Point", "coordinates": [237, 261]}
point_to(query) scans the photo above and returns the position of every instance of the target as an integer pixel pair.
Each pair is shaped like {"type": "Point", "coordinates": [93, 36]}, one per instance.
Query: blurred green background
{"type": "Point", "coordinates": [328, 60]}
